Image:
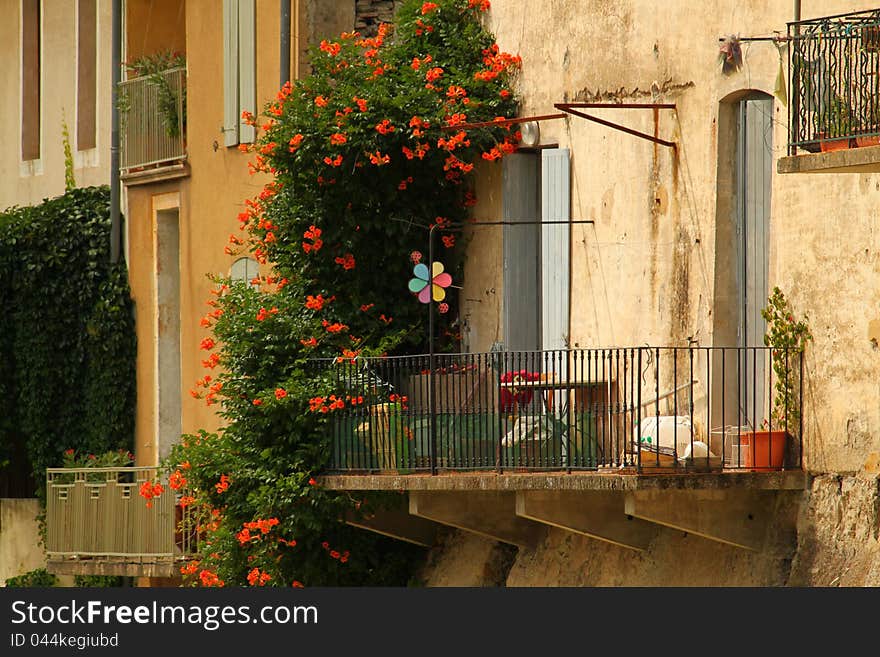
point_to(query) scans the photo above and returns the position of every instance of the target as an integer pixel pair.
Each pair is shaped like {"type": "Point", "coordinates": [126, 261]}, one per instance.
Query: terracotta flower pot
{"type": "Point", "coordinates": [765, 450]}
{"type": "Point", "coordinates": [828, 145]}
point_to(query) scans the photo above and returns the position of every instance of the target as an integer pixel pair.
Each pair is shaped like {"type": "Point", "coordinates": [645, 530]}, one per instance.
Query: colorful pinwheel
{"type": "Point", "coordinates": [429, 284]}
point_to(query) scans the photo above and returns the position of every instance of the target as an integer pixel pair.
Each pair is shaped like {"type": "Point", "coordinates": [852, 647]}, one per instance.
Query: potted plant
{"type": "Point", "coordinates": [787, 338]}
{"type": "Point", "coordinates": [835, 126]}
{"type": "Point", "coordinates": [155, 68]}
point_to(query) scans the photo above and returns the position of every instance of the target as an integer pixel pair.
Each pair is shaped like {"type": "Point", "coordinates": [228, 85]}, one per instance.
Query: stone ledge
{"type": "Point", "coordinates": [865, 159]}
{"type": "Point", "coordinates": [485, 481]}
{"type": "Point", "coordinates": [113, 567]}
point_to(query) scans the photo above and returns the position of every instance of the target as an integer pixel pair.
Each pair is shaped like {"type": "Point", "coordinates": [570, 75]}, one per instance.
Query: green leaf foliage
{"type": "Point", "coordinates": [361, 165]}
{"type": "Point", "coordinates": [67, 341]}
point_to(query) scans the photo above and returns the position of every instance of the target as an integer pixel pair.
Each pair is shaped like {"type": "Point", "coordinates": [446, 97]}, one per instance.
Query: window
{"type": "Point", "coordinates": [30, 79]}
{"type": "Point", "coordinates": [239, 70]}
{"type": "Point", "coordinates": [244, 270]}
{"type": "Point", "coordinates": [86, 73]}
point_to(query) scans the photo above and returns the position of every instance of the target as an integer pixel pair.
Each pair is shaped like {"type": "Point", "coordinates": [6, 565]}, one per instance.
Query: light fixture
{"type": "Point", "coordinates": [531, 133]}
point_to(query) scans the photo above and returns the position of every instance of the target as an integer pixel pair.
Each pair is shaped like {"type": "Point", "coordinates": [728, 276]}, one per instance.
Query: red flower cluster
{"type": "Point", "coordinates": [330, 48]}
{"type": "Point", "coordinates": [313, 234]}
{"type": "Point", "coordinates": [348, 354]}
{"type": "Point", "coordinates": [315, 303]}
{"type": "Point", "coordinates": [384, 127]}
{"type": "Point", "coordinates": [280, 393]}
{"type": "Point", "coordinates": [434, 74]}
{"type": "Point", "coordinates": [150, 490]}
{"type": "Point", "coordinates": [336, 327]}
{"type": "Point", "coordinates": [256, 578]}
{"type": "Point", "coordinates": [263, 314]}
{"type": "Point", "coordinates": [347, 261]}
{"type": "Point", "coordinates": [223, 485]}
{"type": "Point", "coordinates": [177, 480]}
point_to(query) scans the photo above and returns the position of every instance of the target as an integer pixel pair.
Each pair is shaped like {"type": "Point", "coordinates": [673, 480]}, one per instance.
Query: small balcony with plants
{"type": "Point", "coordinates": [106, 519]}
{"type": "Point", "coordinates": [606, 442]}
{"type": "Point", "coordinates": [152, 113]}
{"type": "Point", "coordinates": [834, 92]}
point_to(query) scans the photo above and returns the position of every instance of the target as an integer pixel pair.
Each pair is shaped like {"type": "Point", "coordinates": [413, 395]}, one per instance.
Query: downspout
{"type": "Point", "coordinates": [115, 71]}
{"type": "Point", "coordinates": [285, 42]}
{"type": "Point", "coordinates": [797, 10]}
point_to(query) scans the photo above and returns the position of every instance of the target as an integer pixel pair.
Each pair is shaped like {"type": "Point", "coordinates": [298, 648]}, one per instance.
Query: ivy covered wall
{"type": "Point", "coordinates": [67, 341]}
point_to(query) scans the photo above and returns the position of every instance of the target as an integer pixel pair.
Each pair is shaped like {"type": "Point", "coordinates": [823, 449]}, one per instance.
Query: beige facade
{"type": "Point", "coordinates": [657, 267]}
{"type": "Point", "coordinates": [206, 194]}
{"type": "Point", "coordinates": [26, 182]}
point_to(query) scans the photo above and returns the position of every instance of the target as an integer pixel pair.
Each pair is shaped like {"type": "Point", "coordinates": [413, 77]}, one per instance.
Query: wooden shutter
{"type": "Point", "coordinates": [231, 113]}
{"type": "Point", "coordinates": [522, 302]}
{"type": "Point", "coordinates": [87, 66]}
{"type": "Point", "coordinates": [754, 168]}
{"type": "Point", "coordinates": [555, 248]}
{"type": "Point", "coordinates": [30, 79]}
{"type": "Point", "coordinates": [247, 67]}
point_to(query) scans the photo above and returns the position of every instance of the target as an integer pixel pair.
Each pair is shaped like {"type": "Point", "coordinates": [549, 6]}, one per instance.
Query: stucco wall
{"type": "Point", "coordinates": [480, 301]}
{"type": "Point", "coordinates": [645, 271]}
{"type": "Point", "coordinates": [19, 538]}
{"type": "Point", "coordinates": [211, 196]}
{"type": "Point", "coordinates": [28, 184]}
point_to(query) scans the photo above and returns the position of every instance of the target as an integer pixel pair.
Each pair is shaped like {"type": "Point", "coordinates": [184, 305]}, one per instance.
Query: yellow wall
{"type": "Point", "coordinates": [211, 197]}
{"type": "Point", "coordinates": [154, 26]}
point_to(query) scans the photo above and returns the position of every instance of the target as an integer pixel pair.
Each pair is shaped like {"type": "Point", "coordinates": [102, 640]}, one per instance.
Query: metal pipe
{"type": "Point", "coordinates": [285, 42]}
{"type": "Point", "coordinates": [115, 74]}
{"type": "Point", "coordinates": [797, 10]}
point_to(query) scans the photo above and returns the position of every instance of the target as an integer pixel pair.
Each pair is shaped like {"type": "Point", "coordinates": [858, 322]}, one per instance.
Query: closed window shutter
{"type": "Point", "coordinates": [555, 248]}
{"type": "Point", "coordinates": [247, 67]}
{"type": "Point", "coordinates": [231, 113]}
{"type": "Point", "coordinates": [521, 252]}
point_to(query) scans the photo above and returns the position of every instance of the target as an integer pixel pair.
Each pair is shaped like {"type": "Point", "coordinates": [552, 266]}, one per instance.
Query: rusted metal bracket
{"type": "Point", "coordinates": [570, 108]}
{"type": "Point", "coordinates": [573, 109]}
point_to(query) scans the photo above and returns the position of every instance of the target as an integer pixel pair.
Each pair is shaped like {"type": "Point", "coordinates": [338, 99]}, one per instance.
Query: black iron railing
{"type": "Point", "coordinates": [834, 82]}
{"type": "Point", "coordinates": [691, 408]}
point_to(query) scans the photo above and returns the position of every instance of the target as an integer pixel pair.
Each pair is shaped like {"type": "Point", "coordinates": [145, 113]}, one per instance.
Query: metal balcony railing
{"type": "Point", "coordinates": [98, 513]}
{"type": "Point", "coordinates": [152, 119]}
{"type": "Point", "coordinates": [834, 82]}
{"type": "Point", "coordinates": [690, 408]}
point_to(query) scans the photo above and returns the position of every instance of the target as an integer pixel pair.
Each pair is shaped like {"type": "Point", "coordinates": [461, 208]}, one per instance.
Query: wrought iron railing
{"type": "Point", "coordinates": [152, 111]}
{"type": "Point", "coordinates": [688, 408]}
{"type": "Point", "coordinates": [99, 513]}
{"type": "Point", "coordinates": [834, 82]}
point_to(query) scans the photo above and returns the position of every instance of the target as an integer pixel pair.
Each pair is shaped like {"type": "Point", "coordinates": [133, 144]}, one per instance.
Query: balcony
{"type": "Point", "coordinates": [152, 112]}
{"type": "Point", "coordinates": [97, 523]}
{"type": "Point", "coordinates": [834, 94]}
{"type": "Point", "coordinates": [642, 409]}
{"type": "Point", "coordinates": [608, 443]}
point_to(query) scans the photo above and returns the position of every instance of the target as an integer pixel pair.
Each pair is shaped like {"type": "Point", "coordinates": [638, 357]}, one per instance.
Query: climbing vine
{"type": "Point", "coordinates": [363, 156]}
{"type": "Point", "coordinates": [67, 341]}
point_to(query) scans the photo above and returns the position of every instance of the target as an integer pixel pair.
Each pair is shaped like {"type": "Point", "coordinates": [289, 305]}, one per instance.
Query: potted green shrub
{"type": "Point", "coordinates": [835, 126]}
{"type": "Point", "coordinates": [787, 337]}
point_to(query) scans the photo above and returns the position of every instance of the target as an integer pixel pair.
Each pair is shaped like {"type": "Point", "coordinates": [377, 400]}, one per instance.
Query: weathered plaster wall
{"type": "Point", "coordinates": [19, 538]}
{"type": "Point", "coordinates": [482, 291]}
{"type": "Point", "coordinates": [646, 271]}
{"type": "Point", "coordinates": [23, 183]}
